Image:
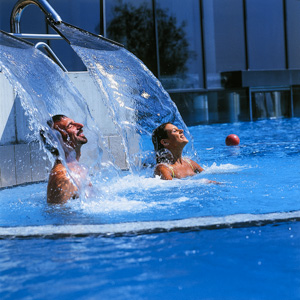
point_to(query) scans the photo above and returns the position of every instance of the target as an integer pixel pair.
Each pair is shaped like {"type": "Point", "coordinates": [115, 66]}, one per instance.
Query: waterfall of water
{"type": "Point", "coordinates": [134, 96]}
{"type": "Point", "coordinates": [136, 101]}
{"type": "Point", "coordinates": [45, 90]}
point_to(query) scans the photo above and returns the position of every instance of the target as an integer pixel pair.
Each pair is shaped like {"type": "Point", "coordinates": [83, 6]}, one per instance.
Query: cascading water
{"type": "Point", "coordinates": [135, 98]}
{"type": "Point", "coordinates": [173, 259]}
{"type": "Point", "coordinates": [44, 91]}
{"type": "Point", "coordinates": [42, 85]}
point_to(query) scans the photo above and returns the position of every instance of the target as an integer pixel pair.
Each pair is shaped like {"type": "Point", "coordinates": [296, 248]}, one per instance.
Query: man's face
{"type": "Point", "coordinates": [71, 132]}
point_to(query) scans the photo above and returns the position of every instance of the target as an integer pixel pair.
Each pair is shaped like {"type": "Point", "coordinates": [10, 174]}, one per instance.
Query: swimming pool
{"type": "Point", "coordinates": [143, 238]}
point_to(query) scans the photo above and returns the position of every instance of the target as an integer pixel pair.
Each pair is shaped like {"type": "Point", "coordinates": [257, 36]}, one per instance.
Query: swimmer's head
{"type": "Point", "coordinates": [71, 131]}
{"type": "Point", "coordinates": [158, 134]}
{"type": "Point", "coordinates": [168, 136]}
{"type": "Point", "coordinates": [54, 119]}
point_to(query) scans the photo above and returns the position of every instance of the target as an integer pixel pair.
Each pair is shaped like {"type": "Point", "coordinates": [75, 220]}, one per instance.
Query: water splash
{"type": "Point", "coordinates": [136, 99]}
{"type": "Point", "coordinates": [45, 90]}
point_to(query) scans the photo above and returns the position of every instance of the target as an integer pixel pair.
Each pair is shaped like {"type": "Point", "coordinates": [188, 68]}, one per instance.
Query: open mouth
{"type": "Point", "coordinates": [80, 133]}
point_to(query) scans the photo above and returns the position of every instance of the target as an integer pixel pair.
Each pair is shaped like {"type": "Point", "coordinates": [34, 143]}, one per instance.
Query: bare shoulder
{"type": "Point", "coordinates": [60, 188]}
{"type": "Point", "coordinates": [58, 170]}
{"type": "Point", "coordinates": [163, 171]}
{"type": "Point", "coordinates": [197, 168]}
{"type": "Point", "coordinates": [58, 174]}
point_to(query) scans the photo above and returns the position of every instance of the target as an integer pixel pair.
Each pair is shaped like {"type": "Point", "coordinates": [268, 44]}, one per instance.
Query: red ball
{"type": "Point", "coordinates": [232, 140]}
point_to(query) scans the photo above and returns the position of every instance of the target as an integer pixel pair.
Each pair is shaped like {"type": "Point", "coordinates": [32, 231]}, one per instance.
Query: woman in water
{"type": "Point", "coordinates": [169, 142]}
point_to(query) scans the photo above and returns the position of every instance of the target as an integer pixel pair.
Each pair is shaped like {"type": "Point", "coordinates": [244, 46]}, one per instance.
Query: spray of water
{"type": "Point", "coordinates": [45, 90]}
{"type": "Point", "coordinates": [135, 99]}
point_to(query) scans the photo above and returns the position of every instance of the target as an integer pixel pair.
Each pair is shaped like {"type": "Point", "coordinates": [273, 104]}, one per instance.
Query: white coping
{"type": "Point", "coordinates": [23, 161]}
{"type": "Point", "coordinates": [210, 222]}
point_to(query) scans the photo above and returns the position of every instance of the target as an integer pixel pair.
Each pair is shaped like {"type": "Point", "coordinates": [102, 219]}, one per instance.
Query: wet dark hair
{"type": "Point", "coordinates": [55, 118]}
{"type": "Point", "coordinates": [46, 137]}
{"type": "Point", "coordinates": [158, 134]}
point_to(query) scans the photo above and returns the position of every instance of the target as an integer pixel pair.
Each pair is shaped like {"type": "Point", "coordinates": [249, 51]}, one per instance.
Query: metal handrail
{"type": "Point", "coordinates": [45, 7]}
{"type": "Point", "coordinates": [37, 36]}
{"type": "Point", "coordinates": [18, 9]}
{"type": "Point", "coordinates": [51, 16]}
{"type": "Point", "coordinates": [51, 54]}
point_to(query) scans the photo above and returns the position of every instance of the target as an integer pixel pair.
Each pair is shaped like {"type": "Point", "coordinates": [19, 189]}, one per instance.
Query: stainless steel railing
{"type": "Point", "coordinates": [51, 16]}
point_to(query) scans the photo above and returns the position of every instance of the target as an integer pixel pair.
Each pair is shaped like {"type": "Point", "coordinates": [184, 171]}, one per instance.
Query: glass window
{"type": "Point", "coordinates": [213, 107]}
{"type": "Point", "coordinates": [293, 36]}
{"type": "Point", "coordinates": [179, 40]}
{"type": "Point", "coordinates": [270, 104]}
{"type": "Point", "coordinates": [229, 35]}
{"type": "Point", "coordinates": [228, 106]}
{"type": "Point", "coordinates": [32, 19]}
{"type": "Point", "coordinates": [130, 22]}
{"type": "Point", "coordinates": [224, 38]}
{"type": "Point", "coordinates": [84, 14]}
{"type": "Point", "coordinates": [6, 7]}
{"type": "Point", "coordinates": [296, 101]}
{"type": "Point", "coordinates": [265, 33]}
{"type": "Point", "coordinates": [193, 107]}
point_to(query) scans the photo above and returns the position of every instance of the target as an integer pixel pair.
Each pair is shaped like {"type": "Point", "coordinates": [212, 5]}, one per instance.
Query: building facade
{"type": "Point", "coordinates": [220, 60]}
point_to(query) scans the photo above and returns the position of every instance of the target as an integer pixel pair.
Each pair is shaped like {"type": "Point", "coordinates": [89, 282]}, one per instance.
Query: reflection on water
{"type": "Point", "coordinates": [271, 104]}
{"type": "Point", "coordinates": [128, 20]}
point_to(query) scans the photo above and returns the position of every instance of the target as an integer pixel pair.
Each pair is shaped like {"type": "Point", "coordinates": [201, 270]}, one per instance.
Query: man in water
{"type": "Point", "coordinates": [62, 186]}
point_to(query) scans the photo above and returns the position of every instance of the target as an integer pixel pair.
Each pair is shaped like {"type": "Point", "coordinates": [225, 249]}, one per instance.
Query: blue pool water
{"type": "Point", "coordinates": [241, 263]}
{"type": "Point", "coordinates": [139, 237]}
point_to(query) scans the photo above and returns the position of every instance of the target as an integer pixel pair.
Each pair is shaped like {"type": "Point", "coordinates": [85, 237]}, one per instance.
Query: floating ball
{"type": "Point", "coordinates": [232, 140]}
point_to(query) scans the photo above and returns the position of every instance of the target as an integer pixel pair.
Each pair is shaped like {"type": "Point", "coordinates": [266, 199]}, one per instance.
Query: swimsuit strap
{"type": "Point", "coordinates": [189, 162]}
{"type": "Point", "coordinates": [172, 170]}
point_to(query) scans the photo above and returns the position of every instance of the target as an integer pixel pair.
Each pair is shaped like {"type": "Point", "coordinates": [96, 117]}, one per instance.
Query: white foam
{"type": "Point", "coordinates": [223, 168]}
{"type": "Point", "coordinates": [117, 195]}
